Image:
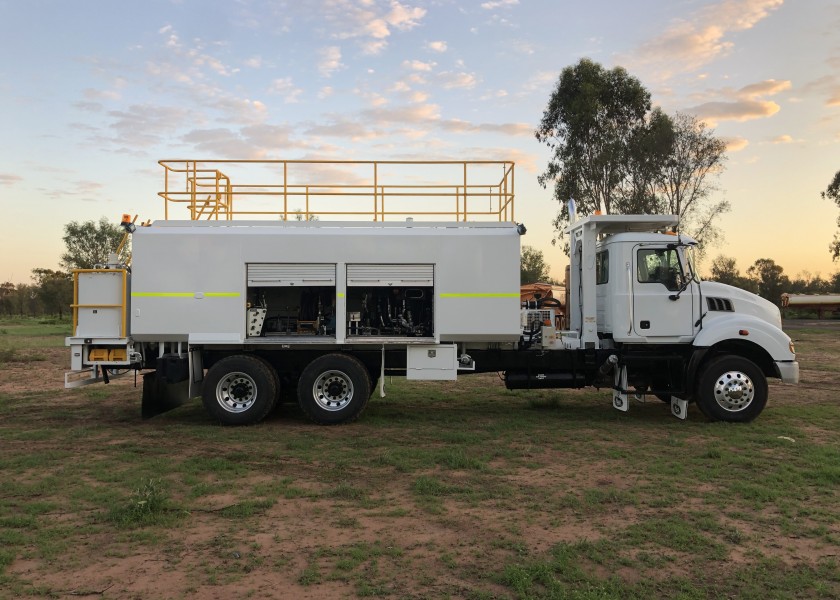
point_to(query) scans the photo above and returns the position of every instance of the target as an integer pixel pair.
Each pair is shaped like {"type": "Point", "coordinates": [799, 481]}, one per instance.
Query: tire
{"type": "Point", "coordinates": [278, 385]}
{"type": "Point", "coordinates": [334, 389]}
{"type": "Point", "coordinates": [240, 390]}
{"type": "Point", "coordinates": [731, 388]}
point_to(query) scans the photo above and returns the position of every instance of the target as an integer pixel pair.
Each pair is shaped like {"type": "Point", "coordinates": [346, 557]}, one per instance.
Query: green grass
{"type": "Point", "coordinates": [440, 490]}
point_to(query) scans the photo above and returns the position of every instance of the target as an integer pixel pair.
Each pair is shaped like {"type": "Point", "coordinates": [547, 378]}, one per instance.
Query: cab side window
{"type": "Point", "coordinates": [659, 265]}
{"type": "Point", "coordinates": [602, 267]}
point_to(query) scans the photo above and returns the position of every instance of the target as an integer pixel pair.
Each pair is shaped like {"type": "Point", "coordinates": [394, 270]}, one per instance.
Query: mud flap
{"type": "Point", "coordinates": [621, 401]}
{"type": "Point", "coordinates": [679, 407]}
{"type": "Point", "coordinates": [160, 396]}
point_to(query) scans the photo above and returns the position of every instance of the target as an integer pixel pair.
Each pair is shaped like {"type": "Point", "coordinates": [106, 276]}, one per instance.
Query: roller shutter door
{"type": "Point", "coordinates": [390, 275]}
{"type": "Point", "coordinates": [290, 274]}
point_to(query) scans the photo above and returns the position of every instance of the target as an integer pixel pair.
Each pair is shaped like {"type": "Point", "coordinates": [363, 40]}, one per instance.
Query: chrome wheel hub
{"type": "Point", "coordinates": [734, 391]}
{"type": "Point", "coordinates": [236, 392]}
{"type": "Point", "coordinates": [333, 390]}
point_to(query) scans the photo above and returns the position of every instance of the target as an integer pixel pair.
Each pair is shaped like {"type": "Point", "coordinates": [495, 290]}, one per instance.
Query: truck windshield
{"type": "Point", "coordinates": [690, 269]}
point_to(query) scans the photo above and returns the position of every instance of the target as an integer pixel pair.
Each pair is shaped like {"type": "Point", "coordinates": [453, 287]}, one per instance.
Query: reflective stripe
{"type": "Point", "coordinates": [183, 294]}
{"type": "Point", "coordinates": [340, 295]}
{"type": "Point", "coordinates": [482, 295]}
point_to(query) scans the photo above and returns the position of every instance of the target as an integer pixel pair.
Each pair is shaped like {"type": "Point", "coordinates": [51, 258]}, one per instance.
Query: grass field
{"type": "Point", "coordinates": [441, 490]}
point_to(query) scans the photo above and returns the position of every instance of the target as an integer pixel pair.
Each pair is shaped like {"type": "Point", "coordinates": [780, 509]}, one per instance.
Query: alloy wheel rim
{"type": "Point", "coordinates": [734, 391]}
{"type": "Point", "coordinates": [236, 392]}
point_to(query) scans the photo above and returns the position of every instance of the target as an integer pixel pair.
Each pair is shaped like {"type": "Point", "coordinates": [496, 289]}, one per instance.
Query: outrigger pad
{"type": "Point", "coordinates": [160, 397]}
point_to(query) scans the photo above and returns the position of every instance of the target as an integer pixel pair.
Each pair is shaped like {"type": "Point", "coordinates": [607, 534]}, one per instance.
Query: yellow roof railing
{"type": "Point", "coordinates": [343, 189]}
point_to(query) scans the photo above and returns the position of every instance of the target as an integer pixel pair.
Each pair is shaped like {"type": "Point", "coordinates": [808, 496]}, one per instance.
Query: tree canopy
{"type": "Point", "coordinates": [832, 192]}
{"type": "Point", "coordinates": [54, 289]}
{"type": "Point", "coordinates": [612, 152]}
{"type": "Point", "coordinates": [770, 280]}
{"type": "Point", "coordinates": [725, 270]}
{"type": "Point", "coordinates": [591, 118]}
{"type": "Point", "coordinates": [532, 266]}
{"type": "Point", "coordinates": [90, 243]}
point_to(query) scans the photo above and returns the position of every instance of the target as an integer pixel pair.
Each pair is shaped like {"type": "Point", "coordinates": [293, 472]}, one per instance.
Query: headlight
{"type": "Point", "coordinates": [792, 349]}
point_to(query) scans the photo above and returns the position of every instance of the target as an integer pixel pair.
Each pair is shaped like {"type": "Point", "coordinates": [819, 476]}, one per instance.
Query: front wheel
{"type": "Point", "coordinates": [334, 389]}
{"type": "Point", "coordinates": [732, 388]}
{"type": "Point", "coordinates": [240, 390]}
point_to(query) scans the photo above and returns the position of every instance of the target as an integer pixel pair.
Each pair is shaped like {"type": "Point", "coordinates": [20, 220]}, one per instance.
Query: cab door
{"type": "Point", "coordinates": [658, 278]}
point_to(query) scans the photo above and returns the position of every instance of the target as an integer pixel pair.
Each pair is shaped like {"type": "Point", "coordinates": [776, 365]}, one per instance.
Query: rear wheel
{"type": "Point", "coordinates": [732, 388]}
{"type": "Point", "coordinates": [278, 385]}
{"type": "Point", "coordinates": [334, 389]}
{"type": "Point", "coordinates": [240, 390]}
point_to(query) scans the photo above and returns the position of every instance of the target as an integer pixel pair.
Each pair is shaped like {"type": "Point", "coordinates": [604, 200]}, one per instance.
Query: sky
{"type": "Point", "coordinates": [94, 92]}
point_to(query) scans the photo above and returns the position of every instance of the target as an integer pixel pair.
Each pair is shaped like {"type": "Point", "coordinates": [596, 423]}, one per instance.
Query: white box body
{"type": "Point", "coordinates": [189, 278]}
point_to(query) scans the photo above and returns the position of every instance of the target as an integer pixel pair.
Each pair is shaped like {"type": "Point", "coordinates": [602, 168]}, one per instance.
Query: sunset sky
{"type": "Point", "coordinates": [94, 92]}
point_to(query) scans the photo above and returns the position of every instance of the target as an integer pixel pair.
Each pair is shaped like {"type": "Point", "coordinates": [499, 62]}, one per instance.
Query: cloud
{"type": "Point", "coordinates": [81, 189]}
{"type": "Point", "coordinates": [94, 107]}
{"type": "Point", "coordinates": [93, 94]}
{"type": "Point", "coordinates": [255, 62]}
{"type": "Point", "coordinates": [688, 44]}
{"type": "Point", "coordinates": [514, 129]}
{"type": "Point", "coordinates": [782, 139]}
{"type": "Point", "coordinates": [744, 104]}
{"type": "Point", "coordinates": [521, 46]}
{"type": "Point", "coordinates": [735, 144]}
{"type": "Point", "coordinates": [9, 179]}
{"type": "Point", "coordinates": [325, 92]}
{"type": "Point", "coordinates": [493, 4]}
{"type": "Point", "coordinates": [769, 87]}
{"type": "Point", "coordinates": [412, 121]}
{"type": "Point", "coordinates": [400, 86]}
{"type": "Point", "coordinates": [342, 127]}
{"type": "Point", "coordinates": [330, 61]}
{"type": "Point", "coordinates": [195, 55]}
{"type": "Point", "coordinates": [539, 82]}
{"type": "Point", "coordinates": [450, 80]}
{"type": "Point", "coordinates": [827, 85]}
{"type": "Point", "coordinates": [242, 109]}
{"type": "Point", "coordinates": [419, 113]}
{"type": "Point", "coordinates": [404, 17]}
{"type": "Point", "coordinates": [436, 46]}
{"type": "Point", "coordinates": [498, 94]}
{"type": "Point", "coordinates": [284, 87]}
{"type": "Point", "coordinates": [369, 22]}
{"type": "Point", "coordinates": [223, 143]}
{"type": "Point", "coordinates": [418, 65]}
{"type": "Point", "coordinates": [251, 142]}
{"type": "Point", "coordinates": [144, 125]}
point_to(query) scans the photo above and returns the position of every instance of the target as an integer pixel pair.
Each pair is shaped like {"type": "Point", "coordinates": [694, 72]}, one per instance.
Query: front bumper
{"type": "Point", "coordinates": [788, 370]}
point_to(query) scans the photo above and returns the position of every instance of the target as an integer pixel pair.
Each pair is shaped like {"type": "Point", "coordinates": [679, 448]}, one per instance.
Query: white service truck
{"type": "Point", "coordinates": [245, 312]}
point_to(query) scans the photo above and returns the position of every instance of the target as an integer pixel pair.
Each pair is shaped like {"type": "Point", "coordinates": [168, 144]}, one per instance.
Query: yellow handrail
{"type": "Point", "coordinates": [348, 188]}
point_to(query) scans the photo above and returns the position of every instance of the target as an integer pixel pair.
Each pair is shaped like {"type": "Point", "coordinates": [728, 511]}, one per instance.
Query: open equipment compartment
{"type": "Point", "coordinates": [291, 299]}
{"type": "Point", "coordinates": [390, 300]}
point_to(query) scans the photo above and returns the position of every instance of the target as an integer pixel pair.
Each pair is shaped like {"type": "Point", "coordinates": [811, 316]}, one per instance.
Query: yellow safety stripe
{"type": "Point", "coordinates": [183, 294]}
{"type": "Point", "coordinates": [482, 295]}
{"type": "Point", "coordinates": [340, 295]}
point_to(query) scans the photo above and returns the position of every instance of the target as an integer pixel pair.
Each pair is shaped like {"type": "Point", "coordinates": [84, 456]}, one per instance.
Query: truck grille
{"type": "Point", "coordinates": [721, 304]}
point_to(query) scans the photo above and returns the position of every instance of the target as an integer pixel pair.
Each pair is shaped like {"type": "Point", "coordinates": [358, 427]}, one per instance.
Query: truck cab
{"type": "Point", "coordinates": [634, 290]}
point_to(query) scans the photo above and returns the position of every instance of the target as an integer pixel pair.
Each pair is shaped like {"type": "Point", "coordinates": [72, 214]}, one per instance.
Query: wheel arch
{"type": "Point", "coordinates": [744, 348]}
